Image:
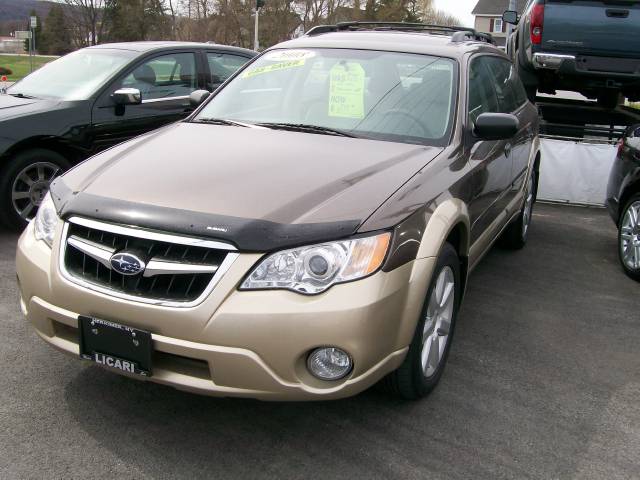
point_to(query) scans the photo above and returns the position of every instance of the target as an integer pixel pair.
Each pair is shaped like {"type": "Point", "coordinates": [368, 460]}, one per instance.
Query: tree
{"type": "Point", "coordinates": [56, 39]}
{"type": "Point", "coordinates": [86, 16]}
{"type": "Point", "coordinates": [132, 20]}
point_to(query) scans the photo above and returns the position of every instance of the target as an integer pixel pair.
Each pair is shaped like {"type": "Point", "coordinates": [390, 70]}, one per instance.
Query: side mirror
{"type": "Point", "coordinates": [511, 16]}
{"type": "Point", "coordinates": [127, 96]}
{"type": "Point", "coordinates": [197, 97]}
{"type": "Point", "coordinates": [496, 126]}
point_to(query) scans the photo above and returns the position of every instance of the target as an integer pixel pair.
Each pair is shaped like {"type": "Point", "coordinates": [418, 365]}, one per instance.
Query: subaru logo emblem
{"type": "Point", "coordinates": [127, 263]}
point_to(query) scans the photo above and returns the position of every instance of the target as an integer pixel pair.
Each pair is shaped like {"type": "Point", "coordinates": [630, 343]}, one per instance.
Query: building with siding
{"type": "Point", "coordinates": [488, 17]}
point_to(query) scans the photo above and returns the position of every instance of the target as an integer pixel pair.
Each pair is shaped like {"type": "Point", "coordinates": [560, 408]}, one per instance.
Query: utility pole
{"type": "Point", "coordinates": [256, 41]}
{"type": "Point", "coordinates": [32, 40]}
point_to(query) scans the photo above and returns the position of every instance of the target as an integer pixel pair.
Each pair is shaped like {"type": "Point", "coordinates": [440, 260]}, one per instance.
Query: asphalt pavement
{"type": "Point", "coordinates": [543, 381]}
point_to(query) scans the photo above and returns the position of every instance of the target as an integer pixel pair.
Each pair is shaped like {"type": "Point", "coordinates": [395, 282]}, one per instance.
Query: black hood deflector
{"type": "Point", "coordinates": [246, 234]}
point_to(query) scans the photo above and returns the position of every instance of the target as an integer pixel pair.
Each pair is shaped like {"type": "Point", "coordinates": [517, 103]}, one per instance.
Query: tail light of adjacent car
{"type": "Point", "coordinates": [537, 23]}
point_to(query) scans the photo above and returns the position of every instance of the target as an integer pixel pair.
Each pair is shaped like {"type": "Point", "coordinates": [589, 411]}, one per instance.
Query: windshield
{"type": "Point", "coordinates": [73, 77]}
{"type": "Point", "coordinates": [380, 95]}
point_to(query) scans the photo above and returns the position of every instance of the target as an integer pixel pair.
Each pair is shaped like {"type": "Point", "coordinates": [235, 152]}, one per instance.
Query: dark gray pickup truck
{"type": "Point", "coordinates": [587, 46]}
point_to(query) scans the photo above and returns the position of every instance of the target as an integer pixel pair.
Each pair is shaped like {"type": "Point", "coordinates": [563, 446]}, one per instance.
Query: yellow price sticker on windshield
{"type": "Point", "coordinates": [346, 90]}
{"type": "Point", "coordinates": [274, 67]}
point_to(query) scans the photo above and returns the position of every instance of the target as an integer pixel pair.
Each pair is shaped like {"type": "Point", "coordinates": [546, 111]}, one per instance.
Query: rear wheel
{"type": "Point", "coordinates": [429, 349]}
{"type": "Point", "coordinates": [629, 238]}
{"type": "Point", "coordinates": [516, 234]}
{"type": "Point", "coordinates": [24, 182]}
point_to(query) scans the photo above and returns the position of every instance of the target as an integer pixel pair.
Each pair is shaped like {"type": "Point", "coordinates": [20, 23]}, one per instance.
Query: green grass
{"type": "Point", "coordinates": [20, 65]}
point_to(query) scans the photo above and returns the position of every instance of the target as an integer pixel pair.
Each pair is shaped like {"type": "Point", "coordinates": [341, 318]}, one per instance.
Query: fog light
{"type": "Point", "coordinates": [329, 363]}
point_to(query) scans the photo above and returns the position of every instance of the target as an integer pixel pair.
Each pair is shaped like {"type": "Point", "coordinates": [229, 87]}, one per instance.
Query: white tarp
{"type": "Point", "coordinates": [574, 172]}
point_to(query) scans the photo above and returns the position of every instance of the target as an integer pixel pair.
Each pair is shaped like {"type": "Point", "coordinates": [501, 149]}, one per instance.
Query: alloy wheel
{"type": "Point", "coordinates": [30, 187]}
{"type": "Point", "coordinates": [437, 325]}
{"type": "Point", "coordinates": [528, 207]}
{"type": "Point", "coordinates": [630, 237]}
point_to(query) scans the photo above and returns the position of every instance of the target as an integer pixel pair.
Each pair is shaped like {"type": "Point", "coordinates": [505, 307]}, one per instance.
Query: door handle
{"type": "Point", "coordinates": [507, 149]}
{"type": "Point", "coordinates": [614, 13]}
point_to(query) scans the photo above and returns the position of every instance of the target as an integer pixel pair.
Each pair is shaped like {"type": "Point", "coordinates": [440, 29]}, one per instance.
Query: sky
{"type": "Point", "coordinates": [459, 8]}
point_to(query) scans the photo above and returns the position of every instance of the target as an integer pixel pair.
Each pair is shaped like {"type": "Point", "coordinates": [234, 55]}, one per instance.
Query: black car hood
{"type": "Point", "coordinates": [11, 106]}
{"type": "Point", "coordinates": [259, 189]}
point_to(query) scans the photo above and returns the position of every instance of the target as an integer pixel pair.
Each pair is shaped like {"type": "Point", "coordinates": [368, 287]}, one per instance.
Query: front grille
{"type": "Point", "coordinates": [169, 286]}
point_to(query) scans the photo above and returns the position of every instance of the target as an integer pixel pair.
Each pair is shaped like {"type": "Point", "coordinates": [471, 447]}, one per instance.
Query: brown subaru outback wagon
{"type": "Point", "coordinates": [308, 232]}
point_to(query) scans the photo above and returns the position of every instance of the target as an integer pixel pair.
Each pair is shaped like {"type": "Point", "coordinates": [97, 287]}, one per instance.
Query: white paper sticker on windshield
{"type": "Point", "coordinates": [289, 55]}
{"type": "Point", "coordinates": [346, 90]}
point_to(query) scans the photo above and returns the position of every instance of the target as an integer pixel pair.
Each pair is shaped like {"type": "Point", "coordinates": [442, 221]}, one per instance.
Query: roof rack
{"type": "Point", "coordinates": [458, 34]}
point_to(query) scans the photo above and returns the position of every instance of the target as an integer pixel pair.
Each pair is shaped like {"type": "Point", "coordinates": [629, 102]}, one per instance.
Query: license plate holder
{"type": "Point", "coordinates": [117, 346]}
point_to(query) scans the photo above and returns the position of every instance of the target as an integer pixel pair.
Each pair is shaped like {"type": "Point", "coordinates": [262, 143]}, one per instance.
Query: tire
{"type": "Point", "coordinates": [516, 234]}
{"type": "Point", "coordinates": [609, 99]}
{"type": "Point", "coordinates": [629, 238]}
{"type": "Point", "coordinates": [24, 180]}
{"type": "Point", "coordinates": [411, 380]}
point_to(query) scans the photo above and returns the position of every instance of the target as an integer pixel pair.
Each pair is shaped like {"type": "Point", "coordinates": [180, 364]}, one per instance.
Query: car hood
{"type": "Point", "coordinates": [221, 180]}
{"type": "Point", "coordinates": [11, 106]}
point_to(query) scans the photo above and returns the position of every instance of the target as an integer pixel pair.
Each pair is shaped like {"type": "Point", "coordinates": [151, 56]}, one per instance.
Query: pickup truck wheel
{"type": "Point", "coordinates": [24, 182]}
{"type": "Point", "coordinates": [429, 349]}
{"type": "Point", "coordinates": [609, 99]}
{"type": "Point", "coordinates": [516, 234]}
{"type": "Point", "coordinates": [629, 238]}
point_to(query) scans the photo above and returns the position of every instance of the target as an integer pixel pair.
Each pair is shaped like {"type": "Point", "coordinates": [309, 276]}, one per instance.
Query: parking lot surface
{"type": "Point", "coordinates": [543, 381]}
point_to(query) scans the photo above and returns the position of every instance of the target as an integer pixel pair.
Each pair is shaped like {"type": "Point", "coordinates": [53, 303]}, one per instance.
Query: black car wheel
{"type": "Point", "coordinates": [629, 238]}
{"type": "Point", "coordinates": [24, 182]}
{"type": "Point", "coordinates": [424, 364]}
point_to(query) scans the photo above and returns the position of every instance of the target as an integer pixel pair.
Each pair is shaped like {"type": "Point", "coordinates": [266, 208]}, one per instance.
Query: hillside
{"type": "Point", "coordinates": [16, 10]}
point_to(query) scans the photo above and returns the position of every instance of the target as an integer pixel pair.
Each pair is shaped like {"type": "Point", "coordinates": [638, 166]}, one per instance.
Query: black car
{"type": "Point", "coordinates": [623, 200]}
{"type": "Point", "coordinates": [93, 99]}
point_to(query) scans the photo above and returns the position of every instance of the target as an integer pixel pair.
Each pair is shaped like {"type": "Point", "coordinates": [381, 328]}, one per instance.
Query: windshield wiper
{"type": "Point", "coordinates": [223, 121]}
{"type": "Point", "coordinates": [301, 127]}
{"type": "Point", "coordinates": [20, 95]}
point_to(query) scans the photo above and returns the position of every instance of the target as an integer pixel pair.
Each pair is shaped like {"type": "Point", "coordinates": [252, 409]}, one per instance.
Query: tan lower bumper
{"type": "Point", "coordinates": [248, 344]}
{"type": "Point", "coordinates": [191, 366]}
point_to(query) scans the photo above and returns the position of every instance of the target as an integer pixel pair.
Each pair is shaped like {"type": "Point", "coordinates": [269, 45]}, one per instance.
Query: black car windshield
{"type": "Point", "coordinates": [379, 95]}
{"type": "Point", "coordinates": [75, 76]}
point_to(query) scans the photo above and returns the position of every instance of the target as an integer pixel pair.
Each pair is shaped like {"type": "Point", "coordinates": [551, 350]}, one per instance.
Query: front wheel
{"type": "Point", "coordinates": [629, 238]}
{"type": "Point", "coordinates": [429, 349]}
{"type": "Point", "coordinates": [24, 182]}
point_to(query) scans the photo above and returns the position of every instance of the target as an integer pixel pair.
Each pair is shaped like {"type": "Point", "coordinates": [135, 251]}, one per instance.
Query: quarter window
{"type": "Point", "coordinates": [165, 76]}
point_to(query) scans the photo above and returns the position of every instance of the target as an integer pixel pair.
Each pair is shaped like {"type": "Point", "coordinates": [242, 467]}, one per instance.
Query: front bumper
{"type": "Point", "coordinates": [249, 344]}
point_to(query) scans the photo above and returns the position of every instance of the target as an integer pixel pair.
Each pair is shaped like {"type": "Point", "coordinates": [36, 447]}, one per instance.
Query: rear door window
{"type": "Point", "coordinates": [223, 65]}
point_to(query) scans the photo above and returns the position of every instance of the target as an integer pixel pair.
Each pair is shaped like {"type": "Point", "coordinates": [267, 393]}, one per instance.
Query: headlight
{"type": "Point", "coordinates": [315, 268]}
{"type": "Point", "coordinates": [46, 220]}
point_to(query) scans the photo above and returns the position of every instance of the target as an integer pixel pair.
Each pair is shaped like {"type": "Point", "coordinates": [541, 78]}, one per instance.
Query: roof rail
{"type": "Point", "coordinates": [458, 34]}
